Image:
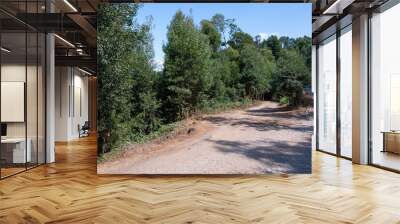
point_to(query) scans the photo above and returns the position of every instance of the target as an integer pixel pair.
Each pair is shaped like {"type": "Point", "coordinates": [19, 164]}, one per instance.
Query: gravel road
{"type": "Point", "coordinates": [262, 139]}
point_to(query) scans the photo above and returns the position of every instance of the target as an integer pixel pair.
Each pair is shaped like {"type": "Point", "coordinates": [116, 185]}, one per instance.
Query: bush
{"type": "Point", "coordinates": [284, 100]}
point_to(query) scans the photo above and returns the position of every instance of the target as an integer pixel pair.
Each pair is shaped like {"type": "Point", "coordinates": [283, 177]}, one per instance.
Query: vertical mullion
{"type": "Point", "coordinates": [37, 89]}
{"type": "Point", "coordinates": [369, 89]}
{"type": "Point", "coordinates": [0, 92]}
{"type": "Point", "coordinates": [45, 87]}
{"type": "Point", "coordinates": [26, 85]}
{"type": "Point", "coordinates": [338, 76]}
{"type": "Point", "coordinates": [73, 91]}
{"type": "Point", "coordinates": [317, 97]}
{"type": "Point", "coordinates": [69, 92]}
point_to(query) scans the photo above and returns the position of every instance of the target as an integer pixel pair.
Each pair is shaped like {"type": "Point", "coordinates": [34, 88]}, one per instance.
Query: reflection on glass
{"type": "Point", "coordinates": [346, 92]}
{"type": "Point", "coordinates": [14, 153]}
{"type": "Point", "coordinates": [385, 84]}
{"type": "Point", "coordinates": [327, 95]}
{"type": "Point", "coordinates": [22, 90]}
{"type": "Point", "coordinates": [41, 98]}
{"type": "Point", "coordinates": [31, 100]}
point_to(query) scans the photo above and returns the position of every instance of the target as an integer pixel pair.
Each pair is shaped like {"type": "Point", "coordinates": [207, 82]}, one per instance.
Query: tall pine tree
{"type": "Point", "coordinates": [186, 76]}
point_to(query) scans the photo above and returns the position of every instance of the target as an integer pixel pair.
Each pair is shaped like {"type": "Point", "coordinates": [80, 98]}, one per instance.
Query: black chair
{"type": "Point", "coordinates": [84, 130]}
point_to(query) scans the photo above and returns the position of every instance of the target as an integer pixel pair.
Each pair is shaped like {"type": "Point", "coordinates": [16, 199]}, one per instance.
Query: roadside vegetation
{"type": "Point", "coordinates": [210, 66]}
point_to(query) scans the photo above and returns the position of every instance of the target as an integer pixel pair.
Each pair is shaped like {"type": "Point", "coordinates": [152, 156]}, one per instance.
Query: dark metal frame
{"type": "Point", "coordinates": [337, 34]}
{"type": "Point", "coordinates": [338, 76]}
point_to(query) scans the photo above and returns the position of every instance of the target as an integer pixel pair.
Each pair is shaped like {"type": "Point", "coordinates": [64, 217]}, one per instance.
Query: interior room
{"type": "Point", "coordinates": [22, 99]}
{"type": "Point", "coordinates": [385, 89]}
{"type": "Point", "coordinates": [48, 82]}
{"type": "Point", "coordinates": [357, 68]}
{"type": "Point", "coordinates": [72, 107]}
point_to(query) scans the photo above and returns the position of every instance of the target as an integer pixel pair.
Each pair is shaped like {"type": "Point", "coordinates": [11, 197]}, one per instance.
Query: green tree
{"type": "Point", "coordinates": [127, 106]}
{"type": "Point", "coordinates": [114, 81]}
{"type": "Point", "coordinates": [287, 42]}
{"type": "Point", "coordinates": [219, 22]}
{"type": "Point", "coordinates": [186, 76]}
{"type": "Point", "coordinates": [229, 61]}
{"type": "Point", "coordinates": [255, 70]}
{"type": "Point", "coordinates": [275, 45]}
{"type": "Point", "coordinates": [290, 77]}
{"type": "Point", "coordinates": [303, 45]}
{"type": "Point", "coordinates": [211, 31]}
{"type": "Point", "coordinates": [240, 39]}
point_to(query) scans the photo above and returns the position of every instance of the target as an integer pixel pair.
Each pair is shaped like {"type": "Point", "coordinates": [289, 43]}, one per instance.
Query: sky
{"type": "Point", "coordinates": [264, 19]}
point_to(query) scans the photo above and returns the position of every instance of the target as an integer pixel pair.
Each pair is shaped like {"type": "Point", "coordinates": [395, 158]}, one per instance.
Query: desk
{"type": "Point", "coordinates": [13, 150]}
{"type": "Point", "coordinates": [391, 141]}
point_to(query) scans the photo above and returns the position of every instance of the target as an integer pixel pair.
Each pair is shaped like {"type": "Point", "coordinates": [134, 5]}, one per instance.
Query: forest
{"type": "Point", "coordinates": [207, 66]}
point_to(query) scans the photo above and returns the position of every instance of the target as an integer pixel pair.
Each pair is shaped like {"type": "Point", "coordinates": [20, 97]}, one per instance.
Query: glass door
{"type": "Point", "coordinates": [327, 95]}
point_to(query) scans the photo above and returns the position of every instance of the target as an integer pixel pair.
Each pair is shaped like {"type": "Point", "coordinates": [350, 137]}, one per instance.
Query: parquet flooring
{"type": "Point", "coordinates": [69, 191]}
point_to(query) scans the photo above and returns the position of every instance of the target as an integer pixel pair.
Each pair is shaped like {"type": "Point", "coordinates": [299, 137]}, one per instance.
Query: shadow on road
{"type": "Point", "coordinates": [260, 125]}
{"type": "Point", "coordinates": [282, 156]}
{"type": "Point", "coordinates": [278, 152]}
{"type": "Point", "coordinates": [280, 112]}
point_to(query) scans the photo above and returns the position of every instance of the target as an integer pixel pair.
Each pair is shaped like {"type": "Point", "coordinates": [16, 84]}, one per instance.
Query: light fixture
{"type": "Point", "coordinates": [5, 50]}
{"type": "Point", "coordinates": [70, 5]}
{"type": "Point", "coordinates": [84, 71]}
{"type": "Point", "coordinates": [65, 41]}
{"type": "Point", "coordinates": [79, 51]}
{"type": "Point", "coordinates": [337, 7]}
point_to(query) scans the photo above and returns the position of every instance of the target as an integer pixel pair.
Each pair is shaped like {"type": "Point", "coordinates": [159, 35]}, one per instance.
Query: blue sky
{"type": "Point", "coordinates": [285, 19]}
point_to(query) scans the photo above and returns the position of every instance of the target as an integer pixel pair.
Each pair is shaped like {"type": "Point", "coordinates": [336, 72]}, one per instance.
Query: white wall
{"type": "Point", "coordinates": [33, 126]}
{"type": "Point", "coordinates": [17, 73]}
{"type": "Point", "coordinates": [70, 83]}
{"type": "Point", "coordinates": [62, 82]}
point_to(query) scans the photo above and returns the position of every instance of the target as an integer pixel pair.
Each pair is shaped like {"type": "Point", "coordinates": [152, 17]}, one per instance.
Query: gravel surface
{"type": "Point", "coordinates": [263, 139]}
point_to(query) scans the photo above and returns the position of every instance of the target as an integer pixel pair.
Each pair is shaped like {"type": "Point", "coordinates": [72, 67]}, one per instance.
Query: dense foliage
{"type": "Point", "coordinates": [205, 65]}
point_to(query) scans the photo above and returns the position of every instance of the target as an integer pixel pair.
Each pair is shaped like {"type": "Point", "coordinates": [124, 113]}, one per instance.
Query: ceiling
{"type": "Point", "coordinates": [74, 22]}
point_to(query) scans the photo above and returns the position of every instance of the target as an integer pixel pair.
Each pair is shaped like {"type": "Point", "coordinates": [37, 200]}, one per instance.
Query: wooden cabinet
{"type": "Point", "coordinates": [391, 142]}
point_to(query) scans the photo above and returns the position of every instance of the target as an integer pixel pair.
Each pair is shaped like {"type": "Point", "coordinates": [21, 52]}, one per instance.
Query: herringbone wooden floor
{"type": "Point", "coordinates": [69, 191]}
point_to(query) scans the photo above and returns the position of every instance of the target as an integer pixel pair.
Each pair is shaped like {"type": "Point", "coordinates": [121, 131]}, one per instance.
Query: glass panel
{"type": "Point", "coordinates": [13, 88]}
{"type": "Point", "coordinates": [327, 95]}
{"type": "Point", "coordinates": [31, 98]}
{"type": "Point", "coordinates": [31, 88]}
{"type": "Point", "coordinates": [385, 84]}
{"type": "Point", "coordinates": [22, 88]}
{"type": "Point", "coordinates": [41, 98]}
{"type": "Point", "coordinates": [346, 92]}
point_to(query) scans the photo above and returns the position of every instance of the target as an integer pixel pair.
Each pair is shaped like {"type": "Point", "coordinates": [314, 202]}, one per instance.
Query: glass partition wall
{"type": "Point", "coordinates": [22, 78]}
{"type": "Point", "coordinates": [385, 89]}
{"type": "Point", "coordinates": [345, 91]}
{"type": "Point", "coordinates": [327, 95]}
{"type": "Point", "coordinates": [334, 94]}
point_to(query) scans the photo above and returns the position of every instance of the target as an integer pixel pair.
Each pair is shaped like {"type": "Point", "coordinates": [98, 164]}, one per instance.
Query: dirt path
{"type": "Point", "coordinates": [262, 139]}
